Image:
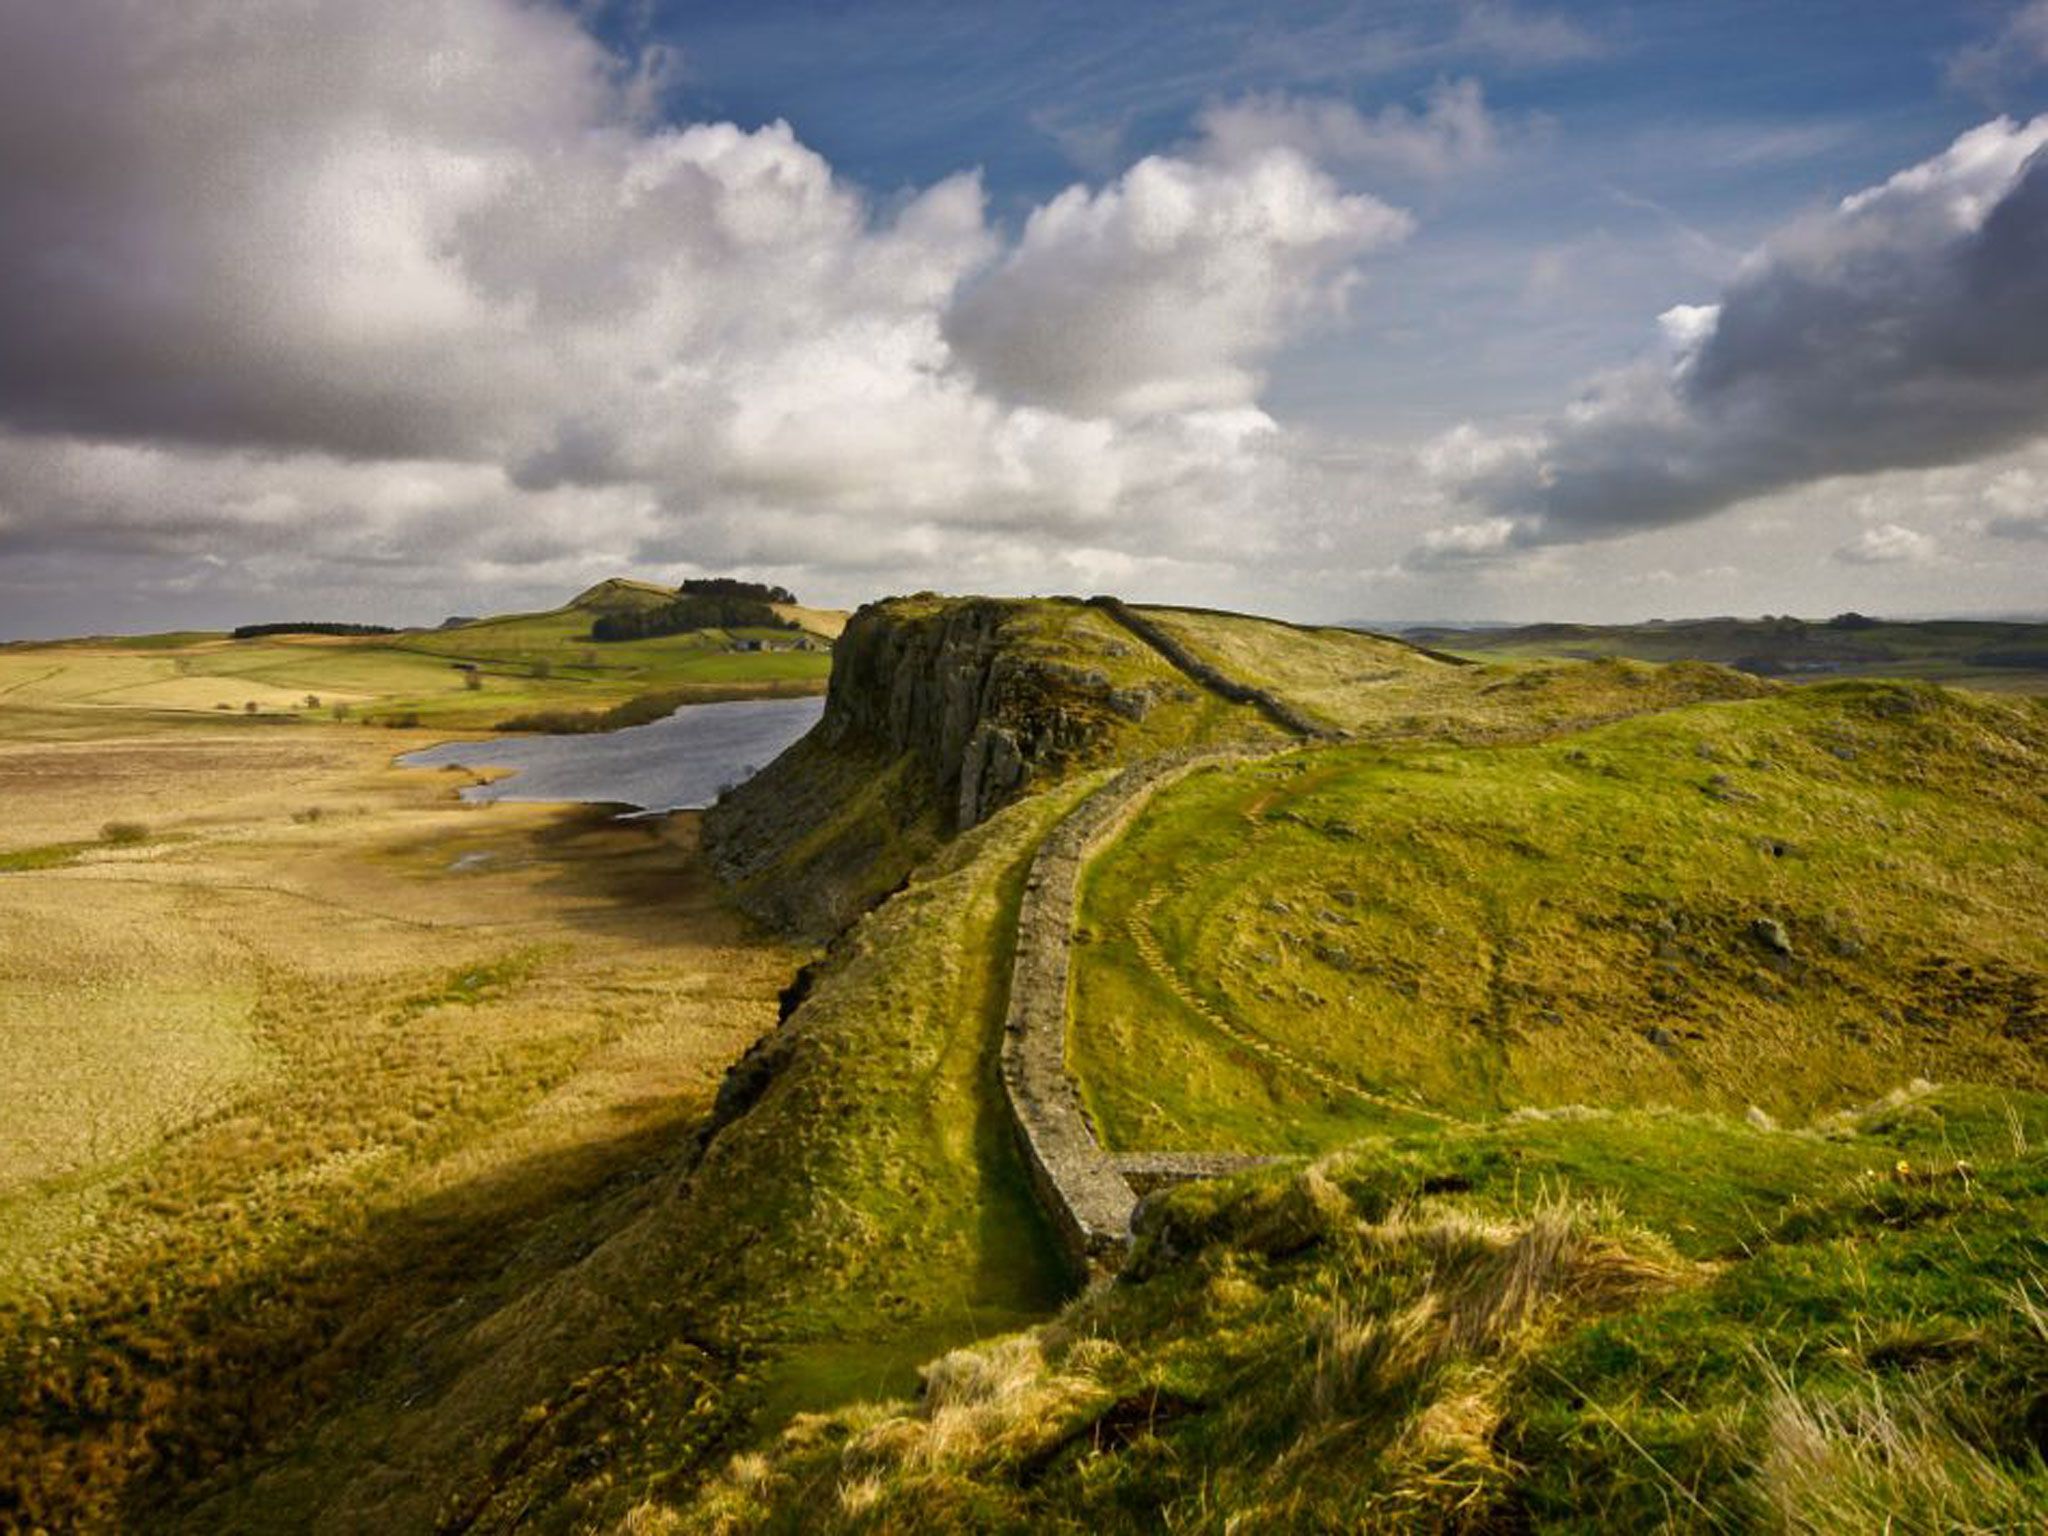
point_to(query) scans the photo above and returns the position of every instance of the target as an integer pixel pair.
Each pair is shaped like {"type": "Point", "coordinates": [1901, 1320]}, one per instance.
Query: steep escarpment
{"type": "Point", "coordinates": [941, 712]}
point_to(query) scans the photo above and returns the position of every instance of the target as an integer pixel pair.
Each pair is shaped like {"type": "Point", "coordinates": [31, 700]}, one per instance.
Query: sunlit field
{"type": "Point", "coordinates": [298, 1049]}
{"type": "Point", "coordinates": [476, 676]}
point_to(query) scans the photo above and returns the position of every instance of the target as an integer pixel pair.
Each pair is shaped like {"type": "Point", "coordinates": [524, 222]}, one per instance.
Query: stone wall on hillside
{"type": "Point", "coordinates": [1084, 1189]}
{"type": "Point", "coordinates": [935, 718]}
{"type": "Point", "coordinates": [1268, 703]}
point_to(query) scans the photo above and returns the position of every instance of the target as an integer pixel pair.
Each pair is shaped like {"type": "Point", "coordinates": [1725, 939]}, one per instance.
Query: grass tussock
{"type": "Point", "coordinates": [1490, 1329]}
{"type": "Point", "coordinates": [1401, 1337]}
{"type": "Point", "coordinates": [1901, 1458]}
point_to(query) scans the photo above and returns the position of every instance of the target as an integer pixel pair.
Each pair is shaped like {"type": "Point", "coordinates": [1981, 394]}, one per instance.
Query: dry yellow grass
{"type": "Point", "coordinates": [319, 996]}
{"type": "Point", "coordinates": [819, 621]}
{"type": "Point", "coordinates": [1337, 674]}
{"type": "Point", "coordinates": [131, 976]}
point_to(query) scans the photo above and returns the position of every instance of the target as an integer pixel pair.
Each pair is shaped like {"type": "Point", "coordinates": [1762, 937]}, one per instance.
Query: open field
{"type": "Point", "coordinates": [1792, 902]}
{"type": "Point", "coordinates": [1996, 656]}
{"type": "Point", "coordinates": [306, 1057]}
{"type": "Point", "coordinates": [523, 664]}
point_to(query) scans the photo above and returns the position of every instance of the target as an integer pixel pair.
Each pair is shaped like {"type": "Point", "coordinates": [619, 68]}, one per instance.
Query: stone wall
{"type": "Point", "coordinates": [935, 718]}
{"type": "Point", "coordinates": [1084, 1189]}
{"type": "Point", "coordinates": [1268, 703]}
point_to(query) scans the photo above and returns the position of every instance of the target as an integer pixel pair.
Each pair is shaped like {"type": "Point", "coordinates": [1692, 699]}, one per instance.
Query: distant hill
{"type": "Point", "coordinates": [2008, 656]}
{"type": "Point", "coordinates": [515, 671]}
{"type": "Point", "coordinates": [622, 594]}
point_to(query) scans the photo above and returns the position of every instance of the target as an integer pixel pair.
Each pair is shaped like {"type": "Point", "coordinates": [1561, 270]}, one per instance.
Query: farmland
{"type": "Point", "coordinates": [473, 676]}
{"type": "Point", "coordinates": [280, 1016]}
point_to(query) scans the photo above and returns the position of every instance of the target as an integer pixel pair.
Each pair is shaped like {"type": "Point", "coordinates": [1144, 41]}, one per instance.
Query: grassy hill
{"type": "Point", "coordinates": [540, 667]}
{"type": "Point", "coordinates": [1614, 1190]}
{"type": "Point", "coordinates": [1793, 901]}
{"type": "Point", "coordinates": [1651, 1059]}
{"type": "Point", "coordinates": [2008, 657]}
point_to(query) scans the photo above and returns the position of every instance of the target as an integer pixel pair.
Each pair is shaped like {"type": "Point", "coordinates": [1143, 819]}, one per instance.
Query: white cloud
{"type": "Point", "coordinates": [2018, 49]}
{"type": "Point", "coordinates": [1887, 544]}
{"type": "Point", "coordinates": [1907, 327]}
{"type": "Point", "coordinates": [2018, 503]}
{"type": "Point", "coordinates": [1165, 290]}
{"type": "Point", "coordinates": [1516, 36]}
{"type": "Point", "coordinates": [424, 287]}
{"type": "Point", "coordinates": [1463, 543]}
{"type": "Point", "coordinates": [1454, 132]}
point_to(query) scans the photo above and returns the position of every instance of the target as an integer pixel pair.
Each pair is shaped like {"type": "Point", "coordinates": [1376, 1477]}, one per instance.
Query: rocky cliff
{"type": "Point", "coordinates": [939, 713]}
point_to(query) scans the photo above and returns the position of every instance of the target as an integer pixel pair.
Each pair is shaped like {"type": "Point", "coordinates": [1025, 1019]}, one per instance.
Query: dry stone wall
{"type": "Point", "coordinates": [1086, 1191]}
{"type": "Point", "coordinates": [1268, 703]}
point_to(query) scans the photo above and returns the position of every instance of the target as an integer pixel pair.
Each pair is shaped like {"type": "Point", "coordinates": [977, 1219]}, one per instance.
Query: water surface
{"type": "Point", "coordinates": [673, 764]}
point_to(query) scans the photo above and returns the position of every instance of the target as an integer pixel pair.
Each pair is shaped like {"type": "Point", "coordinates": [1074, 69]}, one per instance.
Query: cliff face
{"type": "Point", "coordinates": [939, 713]}
{"type": "Point", "coordinates": [956, 689]}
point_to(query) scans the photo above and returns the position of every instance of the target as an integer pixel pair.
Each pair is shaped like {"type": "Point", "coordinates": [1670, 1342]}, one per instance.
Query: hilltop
{"type": "Point", "coordinates": [1626, 1083]}
{"type": "Point", "coordinates": [541, 671]}
{"type": "Point", "coordinates": [622, 593]}
{"type": "Point", "coordinates": [2002, 655]}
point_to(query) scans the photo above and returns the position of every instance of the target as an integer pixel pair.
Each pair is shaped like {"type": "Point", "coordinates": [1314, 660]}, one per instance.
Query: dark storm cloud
{"type": "Point", "coordinates": [1908, 327]}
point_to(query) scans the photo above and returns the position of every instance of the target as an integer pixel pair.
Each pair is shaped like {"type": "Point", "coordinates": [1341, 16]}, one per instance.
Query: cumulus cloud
{"type": "Point", "coordinates": [2018, 503]}
{"type": "Point", "coordinates": [429, 282]}
{"type": "Point", "coordinates": [1164, 290]}
{"type": "Point", "coordinates": [1887, 544]}
{"type": "Point", "coordinates": [1453, 132]}
{"type": "Point", "coordinates": [1905, 327]}
{"type": "Point", "coordinates": [1463, 543]}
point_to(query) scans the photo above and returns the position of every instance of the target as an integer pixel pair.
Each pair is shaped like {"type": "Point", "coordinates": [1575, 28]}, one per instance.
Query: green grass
{"type": "Point", "coordinates": [1502, 1328]}
{"type": "Point", "coordinates": [453, 1254]}
{"type": "Point", "coordinates": [828, 829]}
{"type": "Point", "coordinates": [1949, 651]}
{"type": "Point", "coordinates": [1588, 919]}
{"type": "Point", "coordinates": [298, 1092]}
{"type": "Point", "coordinates": [48, 856]}
{"type": "Point", "coordinates": [526, 664]}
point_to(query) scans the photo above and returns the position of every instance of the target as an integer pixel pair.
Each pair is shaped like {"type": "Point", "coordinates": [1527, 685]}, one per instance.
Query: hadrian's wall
{"type": "Point", "coordinates": [1268, 703]}
{"type": "Point", "coordinates": [1083, 1189]}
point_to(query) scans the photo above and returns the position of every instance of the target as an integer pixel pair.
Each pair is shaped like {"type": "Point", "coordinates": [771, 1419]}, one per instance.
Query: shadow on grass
{"type": "Point", "coordinates": [440, 1321]}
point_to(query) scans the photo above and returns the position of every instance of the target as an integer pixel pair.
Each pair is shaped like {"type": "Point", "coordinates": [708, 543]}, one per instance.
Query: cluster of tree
{"type": "Point", "coordinates": [255, 631]}
{"type": "Point", "coordinates": [689, 612]}
{"type": "Point", "coordinates": [730, 586]}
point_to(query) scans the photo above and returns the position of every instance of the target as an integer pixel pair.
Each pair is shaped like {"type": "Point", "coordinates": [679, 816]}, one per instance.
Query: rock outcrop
{"type": "Point", "coordinates": [939, 713]}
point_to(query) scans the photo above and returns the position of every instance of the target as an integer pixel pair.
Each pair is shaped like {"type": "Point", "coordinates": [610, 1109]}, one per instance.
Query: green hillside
{"type": "Point", "coordinates": [538, 669]}
{"type": "Point", "coordinates": [1648, 1064]}
{"type": "Point", "coordinates": [1794, 902]}
{"type": "Point", "coordinates": [2004, 656]}
{"type": "Point", "coordinates": [1596, 1321]}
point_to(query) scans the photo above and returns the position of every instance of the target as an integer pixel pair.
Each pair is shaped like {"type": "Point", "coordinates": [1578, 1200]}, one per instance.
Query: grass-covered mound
{"type": "Point", "coordinates": [514, 671]}
{"type": "Point", "coordinates": [942, 711]}
{"type": "Point", "coordinates": [1789, 901]}
{"type": "Point", "coordinates": [1382, 688]}
{"type": "Point", "coordinates": [1577, 1322]}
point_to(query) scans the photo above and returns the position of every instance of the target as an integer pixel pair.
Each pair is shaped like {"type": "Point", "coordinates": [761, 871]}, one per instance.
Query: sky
{"type": "Point", "coordinates": [1335, 309]}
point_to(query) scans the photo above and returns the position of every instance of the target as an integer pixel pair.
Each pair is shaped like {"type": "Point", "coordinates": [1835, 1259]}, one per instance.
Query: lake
{"type": "Point", "coordinates": [673, 764]}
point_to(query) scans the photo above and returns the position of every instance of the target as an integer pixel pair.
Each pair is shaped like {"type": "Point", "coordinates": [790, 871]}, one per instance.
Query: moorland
{"type": "Point", "coordinates": [1620, 1090]}
{"type": "Point", "coordinates": [1997, 655]}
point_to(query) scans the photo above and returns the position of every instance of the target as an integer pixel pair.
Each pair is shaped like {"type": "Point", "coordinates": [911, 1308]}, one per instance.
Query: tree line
{"type": "Point", "coordinates": [308, 627]}
{"type": "Point", "coordinates": [690, 612]}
